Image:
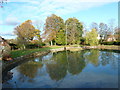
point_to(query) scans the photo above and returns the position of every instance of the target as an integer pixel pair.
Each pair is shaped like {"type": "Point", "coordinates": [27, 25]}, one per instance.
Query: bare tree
{"type": "Point", "coordinates": [94, 25]}
{"type": "Point", "coordinates": [111, 25]}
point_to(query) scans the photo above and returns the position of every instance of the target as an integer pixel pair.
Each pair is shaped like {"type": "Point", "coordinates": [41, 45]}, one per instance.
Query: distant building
{"type": "Point", "coordinates": [117, 37]}
{"type": "Point", "coordinates": [110, 38]}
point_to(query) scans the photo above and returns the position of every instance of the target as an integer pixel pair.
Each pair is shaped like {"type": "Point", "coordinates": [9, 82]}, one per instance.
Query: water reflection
{"type": "Point", "coordinates": [73, 62]}
{"type": "Point", "coordinates": [58, 70]}
{"type": "Point", "coordinates": [76, 62]}
{"type": "Point", "coordinates": [49, 70]}
{"type": "Point", "coordinates": [93, 57]}
{"type": "Point", "coordinates": [29, 69]}
{"type": "Point", "coordinates": [109, 58]}
{"type": "Point", "coordinates": [7, 76]}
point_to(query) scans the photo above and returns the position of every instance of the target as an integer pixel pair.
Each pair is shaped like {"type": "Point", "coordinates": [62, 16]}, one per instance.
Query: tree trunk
{"type": "Point", "coordinates": [51, 43]}
{"type": "Point", "coordinates": [24, 47]}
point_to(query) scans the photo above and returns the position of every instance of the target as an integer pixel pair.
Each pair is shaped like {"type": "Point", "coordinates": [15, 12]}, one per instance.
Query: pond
{"type": "Point", "coordinates": [79, 69]}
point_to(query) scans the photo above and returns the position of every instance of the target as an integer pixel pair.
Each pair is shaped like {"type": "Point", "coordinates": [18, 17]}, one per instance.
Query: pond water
{"type": "Point", "coordinates": [80, 69]}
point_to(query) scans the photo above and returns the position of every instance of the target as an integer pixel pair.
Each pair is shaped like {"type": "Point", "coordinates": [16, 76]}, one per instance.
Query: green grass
{"type": "Point", "coordinates": [18, 53]}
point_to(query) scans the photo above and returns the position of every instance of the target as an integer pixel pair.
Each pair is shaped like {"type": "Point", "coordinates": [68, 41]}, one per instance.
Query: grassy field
{"type": "Point", "coordinates": [18, 53]}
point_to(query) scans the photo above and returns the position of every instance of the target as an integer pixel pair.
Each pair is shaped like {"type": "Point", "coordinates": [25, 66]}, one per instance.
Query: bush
{"type": "Point", "coordinates": [117, 43]}
{"type": "Point", "coordinates": [42, 44]}
{"type": "Point", "coordinates": [32, 46]}
{"type": "Point", "coordinates": [111, 43]}
{"type": "Point", "coordinates": [13, 46]}
{"type": "Point", "coordinates": [82, 41]}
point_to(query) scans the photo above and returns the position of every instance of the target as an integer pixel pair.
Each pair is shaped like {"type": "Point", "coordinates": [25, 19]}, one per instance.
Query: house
{"type": "Point", "coordinates": [110, 38]}
{"type": "Point", "coordinates": [98, 37]}
{"type": "Point", "coordinates": [4, 49]}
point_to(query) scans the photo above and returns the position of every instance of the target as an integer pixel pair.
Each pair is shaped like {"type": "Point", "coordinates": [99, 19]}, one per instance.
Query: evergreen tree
{"type": "Point", "coordinates": [60, 38]}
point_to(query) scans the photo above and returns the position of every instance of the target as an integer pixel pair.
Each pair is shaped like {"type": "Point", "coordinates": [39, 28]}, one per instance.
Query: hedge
{"type": "Point", "coordinates": [111, 43]}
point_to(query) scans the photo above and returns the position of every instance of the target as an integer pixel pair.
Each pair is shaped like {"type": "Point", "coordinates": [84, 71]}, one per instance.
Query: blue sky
{"type": "Point", "coordinates": [87, 11]}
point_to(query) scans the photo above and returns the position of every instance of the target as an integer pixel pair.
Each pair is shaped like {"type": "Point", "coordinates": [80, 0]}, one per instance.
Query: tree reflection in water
{"type": "Point", "coordinates": [93, 57]}
{"type": "Point", "coordinates": [65, 61]}
{"type": "Point", "coordinates": [109, 58]}
{"type": "Point", "coordinates": [58, 70]}
{"type": "Point", "coordinates": [29, 69]}
{"type": "Point", "coordinates": [76, 62]}
{"type": "Point", "coordinates": [103, 58]}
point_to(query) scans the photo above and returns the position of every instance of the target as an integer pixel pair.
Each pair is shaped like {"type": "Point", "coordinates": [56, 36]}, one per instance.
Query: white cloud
{"type": "Point", "coordinates": [44, 8]}
{"type": "Point", "coordinates": [62, 7]}
{"type": "Point", "coordinates": [8, 33]}
{"type": "Point", "coordinates": [10, 21]}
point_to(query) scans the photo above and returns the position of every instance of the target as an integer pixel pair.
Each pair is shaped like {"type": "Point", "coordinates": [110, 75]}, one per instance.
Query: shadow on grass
{"type": "Point", "coordinates": [18, 53]}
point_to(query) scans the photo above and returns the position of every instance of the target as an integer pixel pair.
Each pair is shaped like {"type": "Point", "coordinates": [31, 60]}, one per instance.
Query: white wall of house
{"type": "Point", "coordinates": [98, 37]}
{"type": "Point", "coordinates": [111, 39]}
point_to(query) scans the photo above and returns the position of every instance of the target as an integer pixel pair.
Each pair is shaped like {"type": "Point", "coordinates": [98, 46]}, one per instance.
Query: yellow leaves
{"type": "Point", "coordinates": [37, 31]}
{"type": "Point", "coordinates": [91, 37]}
{"type": "Point", "coordinates": [26, 30]}
{"type": "Point", "coordinates": [52, 26]}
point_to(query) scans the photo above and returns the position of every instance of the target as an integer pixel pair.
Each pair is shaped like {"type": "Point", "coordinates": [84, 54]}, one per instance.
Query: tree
{"type": "Point", "coordinates": [38, 24]}
{"type": "Point", "coordinates": [94, 25]}
{"type": "Point", "coordinates": [74, 30]}
{"type": "Point", "coordinates": [60, 37]}
{"type": "Point", "coordinates": [52, 26]}
{"type": "Point", "coordinates": [38, 40]}
{"type": "Point", "coordinates": [103, 31]}
{"type": "Point", "coordinates": [2, 2]}
{"type": "Point", "coordinates": [25, 33]}
{"type": "Point", "coordinates": [91, 37]}
{"type": "Point", "coordinates": [117, 34]}
{"type": "Point", "coordinates": [111, 24]}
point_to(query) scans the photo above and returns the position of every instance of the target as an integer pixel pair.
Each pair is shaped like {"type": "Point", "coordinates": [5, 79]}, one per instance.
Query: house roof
{"type": "Point", "coordinates": [2, 39]}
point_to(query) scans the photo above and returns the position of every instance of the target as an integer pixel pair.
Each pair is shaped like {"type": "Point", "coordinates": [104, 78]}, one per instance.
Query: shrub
{"type": "Point", "coordinates": [111, 43]}
{"type": "Point", "coordinates": [32, 46]}
{"type": "Point", "coordinates": [117, 43]}
{"type": "Point", "coordinates": [13, 46]}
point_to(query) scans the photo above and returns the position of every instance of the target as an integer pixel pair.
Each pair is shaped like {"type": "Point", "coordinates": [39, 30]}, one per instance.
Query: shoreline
{"type": "Point", "coordinates": [8, 65]}
{"type": "Point", "coordinates": [103, 47]}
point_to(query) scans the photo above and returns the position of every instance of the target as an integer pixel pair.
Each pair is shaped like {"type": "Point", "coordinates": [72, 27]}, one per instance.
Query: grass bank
{"type": "Point", "coordinates": [18, 53]}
